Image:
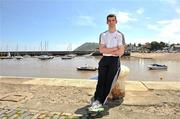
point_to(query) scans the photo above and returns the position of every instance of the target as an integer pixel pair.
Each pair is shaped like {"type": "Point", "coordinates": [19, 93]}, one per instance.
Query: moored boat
{"type": "Point", "coordinates": [7, 57]}
{"type": "Point", "coordinates": [87, 68]}
{"type": "Point", "coordinates": [66, 57]}
{"type": "Point", "coordinates": [45, 57]}
{"type": "Point", "coordinates": [157, 67]}
{"type": "Point", "coordinates": [18, 57]}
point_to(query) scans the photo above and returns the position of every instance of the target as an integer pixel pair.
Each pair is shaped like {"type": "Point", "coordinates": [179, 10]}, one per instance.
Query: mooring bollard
{"type": "Point", "coordinates": [119, 87]}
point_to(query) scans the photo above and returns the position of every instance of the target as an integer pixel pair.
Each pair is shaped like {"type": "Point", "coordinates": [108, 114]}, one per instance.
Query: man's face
{"type": "Point", "coordinates": [111, 21]}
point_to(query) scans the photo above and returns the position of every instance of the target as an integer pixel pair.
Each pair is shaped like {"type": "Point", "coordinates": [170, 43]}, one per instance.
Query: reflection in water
{"type": "Point", "coordinates": [33, 67]}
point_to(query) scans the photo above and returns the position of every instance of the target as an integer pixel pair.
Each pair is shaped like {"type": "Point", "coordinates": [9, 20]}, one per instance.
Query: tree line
{"type": "Point", "coordinates": [153, 46]}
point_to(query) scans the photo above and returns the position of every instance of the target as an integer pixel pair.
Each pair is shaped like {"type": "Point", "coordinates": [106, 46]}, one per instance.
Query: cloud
{"type": "Point", "coordinates": [172, 2]}
{"type": "Point", "coordinates": [148, 18]}
{"type": "Point", "coordinates": [85, 21]}
{"type": "Point", "coordinates": [163, 22]}
{"type": "Point", "coordinates": [167, 30]}
{"type": "Point", "coordinates": [175, 4]}
{"type": "Point", "coordinates": [177, 10]}
{"type": "Point", "coordinates": [171, 31]}
{"type": "Point", "coordinates": [140, 11]}
{"type": "Point", "coordinates": [141, 40]}
{"type": "Point", "coordinates": [123, 17]}
{"type": "Point", "coordinates": [153, 27]}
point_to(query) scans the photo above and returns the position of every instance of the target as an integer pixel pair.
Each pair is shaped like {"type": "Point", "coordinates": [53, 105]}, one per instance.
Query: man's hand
{"type": "Point", "coordinates": [119, 51]}
{"type": "Point", "coordinates": [105, 50]}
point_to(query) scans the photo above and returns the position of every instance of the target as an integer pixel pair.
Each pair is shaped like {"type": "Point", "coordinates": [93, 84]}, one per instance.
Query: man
{"type": "Point", "coordinates": [111, 45]}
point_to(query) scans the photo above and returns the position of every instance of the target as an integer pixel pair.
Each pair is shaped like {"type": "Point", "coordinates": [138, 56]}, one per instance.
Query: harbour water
{"type": "Point", "coordinates": [59, 68]}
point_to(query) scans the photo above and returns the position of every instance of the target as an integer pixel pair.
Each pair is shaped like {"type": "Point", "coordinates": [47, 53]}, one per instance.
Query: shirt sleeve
{"type": "Point", "coordinates": [121, 40]}
{"type": "Point", "coordinates": [101, 39]}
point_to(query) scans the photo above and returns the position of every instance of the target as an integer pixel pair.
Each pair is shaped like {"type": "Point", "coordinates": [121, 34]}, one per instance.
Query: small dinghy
{"type": "Point", "coordinates": [157, 67]}
{"type": "Point", "coordinates": [18, 57]}
{"type": "Point", "coordinates": [87, 68]}
{"type": "Point", "coordinates": [45, 57]}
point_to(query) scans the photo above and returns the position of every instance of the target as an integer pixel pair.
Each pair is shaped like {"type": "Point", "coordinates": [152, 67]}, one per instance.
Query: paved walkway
{"type": "Point", "coordinates": [24, 113]}
{"type": "Point", "coordinates": [52, 98]}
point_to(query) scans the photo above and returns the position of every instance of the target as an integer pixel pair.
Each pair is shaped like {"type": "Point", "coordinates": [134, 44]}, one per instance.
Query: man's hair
{"type": "Point", "coordinates": [111, 15]}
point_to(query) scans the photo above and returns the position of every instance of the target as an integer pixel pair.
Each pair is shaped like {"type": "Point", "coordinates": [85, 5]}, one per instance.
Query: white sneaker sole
{"type": "Point", "coordinates": [100, 109]}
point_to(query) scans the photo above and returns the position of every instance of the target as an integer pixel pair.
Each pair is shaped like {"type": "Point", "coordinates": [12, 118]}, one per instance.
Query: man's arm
{"type": "Point", "coordinates": [119, 51]}
{"type": "Point", "coordinates": [103, 49]}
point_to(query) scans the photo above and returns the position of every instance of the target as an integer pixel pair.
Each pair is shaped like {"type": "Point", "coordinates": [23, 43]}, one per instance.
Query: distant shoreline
{"type": "Point", "coordinates": [164, 56]}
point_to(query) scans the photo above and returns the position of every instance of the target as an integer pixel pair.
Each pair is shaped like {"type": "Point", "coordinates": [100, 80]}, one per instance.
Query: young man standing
{"type": "Point", "coordinates": [111, 45]}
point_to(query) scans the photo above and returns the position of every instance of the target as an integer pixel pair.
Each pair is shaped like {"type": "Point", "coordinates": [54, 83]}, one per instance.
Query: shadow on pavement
{"type": "Point", "coordinates": [110, 104]}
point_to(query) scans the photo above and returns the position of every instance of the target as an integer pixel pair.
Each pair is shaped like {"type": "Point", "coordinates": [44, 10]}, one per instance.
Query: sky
{"type": "Point", "coordinates": [60, 25]}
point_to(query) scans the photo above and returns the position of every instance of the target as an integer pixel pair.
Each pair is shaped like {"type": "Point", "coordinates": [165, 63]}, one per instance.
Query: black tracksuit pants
{"type": "Point", "coordinates": [108, 71]}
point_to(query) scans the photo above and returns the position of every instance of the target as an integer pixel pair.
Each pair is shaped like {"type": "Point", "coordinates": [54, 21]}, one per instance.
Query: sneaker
{"type": "Point", "coordinates": [96, 107]}
{"type": "Point", "coordinates": [96, 102]}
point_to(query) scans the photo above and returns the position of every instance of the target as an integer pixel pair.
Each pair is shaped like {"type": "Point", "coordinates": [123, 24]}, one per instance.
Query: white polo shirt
{"type": "Point", "coordinates": [111, 40]}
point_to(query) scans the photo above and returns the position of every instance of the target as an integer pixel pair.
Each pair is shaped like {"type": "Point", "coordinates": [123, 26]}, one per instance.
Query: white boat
{"type": "Point", "coordinates": [87, 68]}
{"type": "Point", "coordinates": [66, 57]}
{"type": "Point", "coordinates": [26, 56]}
{"type": "Point", "coordinates": [44, 49]}
{"type": "Point", "coordinates": [18, 57]}
{"type": "Point", "coordinates": [45, 57]}
{"type": "Point", "coordinates": [7, 57]}
{"type": "Point", "coordinates": [157, 67]}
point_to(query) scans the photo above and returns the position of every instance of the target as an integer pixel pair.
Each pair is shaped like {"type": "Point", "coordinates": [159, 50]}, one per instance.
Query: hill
{"type": "Point", "coordinates": [88, 47]}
